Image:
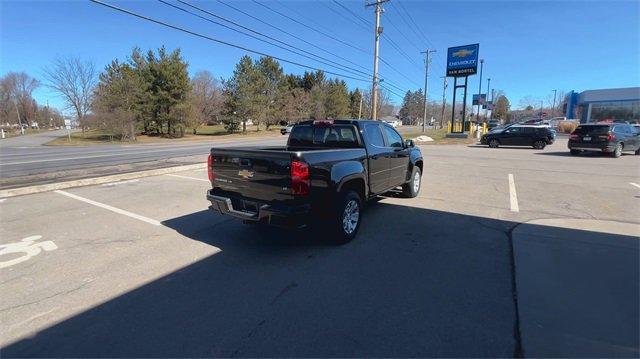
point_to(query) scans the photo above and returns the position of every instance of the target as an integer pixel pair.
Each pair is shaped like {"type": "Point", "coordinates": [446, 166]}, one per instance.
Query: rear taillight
{"type": "Point", "coordinates": [300, 179]}
{"type": "Point", "coordinates": [573, 136]}
{"type": "Point", "coordinates": [212, 176]}
{"type": "Point", "coordinates": [611, 137]}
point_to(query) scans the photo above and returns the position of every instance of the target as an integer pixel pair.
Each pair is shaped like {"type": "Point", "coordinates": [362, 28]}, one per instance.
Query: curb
{"type": "Point", "coordinates": [21, 191]}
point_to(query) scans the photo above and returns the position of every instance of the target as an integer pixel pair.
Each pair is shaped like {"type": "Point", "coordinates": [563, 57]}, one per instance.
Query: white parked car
{"type": "Point", "coordinates": [394, 123]}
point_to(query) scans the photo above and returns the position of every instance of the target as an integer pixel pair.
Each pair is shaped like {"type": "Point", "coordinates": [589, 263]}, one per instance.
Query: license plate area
{"type": "Point", "coordinates": [586, 138]}
{"type": "Point", "coordinates": [244, 206]}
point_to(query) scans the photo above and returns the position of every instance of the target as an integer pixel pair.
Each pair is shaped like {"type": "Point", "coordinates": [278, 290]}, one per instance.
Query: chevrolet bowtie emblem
{"type": "Point", "coordinates": [245, 174]}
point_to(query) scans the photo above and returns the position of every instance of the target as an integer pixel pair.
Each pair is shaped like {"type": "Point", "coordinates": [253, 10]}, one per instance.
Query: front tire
{"type": "Point", "coordinates": [617, 152]}
{"type": "Point", "coordinates": [411, 189]}
{"type": "Point", "coordinates": [494, 143]}
{"type": "Point", "coordinates": [348, 218]}
{"type": "Point", "coordinates": [539, 145]}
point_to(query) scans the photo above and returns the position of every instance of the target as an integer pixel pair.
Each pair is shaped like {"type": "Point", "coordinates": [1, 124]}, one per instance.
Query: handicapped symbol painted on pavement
{"type": "Point", "coordinates": [28, 247]}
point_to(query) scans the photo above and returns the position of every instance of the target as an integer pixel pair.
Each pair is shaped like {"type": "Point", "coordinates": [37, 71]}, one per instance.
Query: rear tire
{"type": "Point", "coordinates": [494, 143]}
{"type": "Point", "coordinates": [539, 145]}
{"type": "Point", "coordinates": [411, 189]}
{"type": "Point", "coordinates": [575, 152]}
{"type": "Point", "coordinates": [347, 218]}
{"type": "Point", "coordinates": [637, 153]}
{"type": "Point", "coordinates": [617, 152]}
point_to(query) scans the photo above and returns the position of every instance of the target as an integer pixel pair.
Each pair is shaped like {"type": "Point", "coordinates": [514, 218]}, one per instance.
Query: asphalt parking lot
{"type": "Point", "coordinates": [506, 252]}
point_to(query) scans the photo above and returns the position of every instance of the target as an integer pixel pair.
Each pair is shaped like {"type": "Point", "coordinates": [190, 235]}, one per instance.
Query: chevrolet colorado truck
{"type": "Point", "coordinates": [323, 176]}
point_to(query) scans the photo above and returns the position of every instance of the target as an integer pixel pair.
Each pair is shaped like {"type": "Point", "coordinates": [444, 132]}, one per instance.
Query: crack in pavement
{"type": "Point", "coordinates": [45, 298]}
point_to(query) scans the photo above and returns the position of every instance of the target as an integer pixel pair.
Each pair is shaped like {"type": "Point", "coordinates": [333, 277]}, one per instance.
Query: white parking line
{"type": "Point", "coordinates": [110, 208]}
{"type": "Point", "coordinates": [191, 178]}
{"type": "Point", "coordinates": [513, 197]}
{"type": "Point", "coordinates": [634, 184]}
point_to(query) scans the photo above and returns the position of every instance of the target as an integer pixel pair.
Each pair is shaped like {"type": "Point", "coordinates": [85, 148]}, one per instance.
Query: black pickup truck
{"type": "Point", "coordinates": [323, 176]}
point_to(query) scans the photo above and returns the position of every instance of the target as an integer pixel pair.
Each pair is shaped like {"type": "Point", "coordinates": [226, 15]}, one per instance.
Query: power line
{"type": "Point", "coordinates": [222, 41]}
{"type": "Point", "coordinates": [313, 57]}
{"type": "Point", "coordinates": [402, 33]}
{"type": "Point", "coordinates": [363, 20]}
{"type": "Point", "coordinates": [290, 34]}
{"type": "Point", "coordinates": [398, 72]}
{"type": "Point", "coordinates": [416, 29]}
{"type": "Point", "coordinates": [360, 25]}
{"type": "Point", "coordinates": [313, 29]}
{"type": "Point", "coordinates": [419, 30]}
{"type": "Point", "coordinates": [309, 27]}
{"type": "Point", "coordinates": [339, 66]}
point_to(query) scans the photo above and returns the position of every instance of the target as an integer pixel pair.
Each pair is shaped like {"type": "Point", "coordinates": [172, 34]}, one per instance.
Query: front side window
{"type": "Point", "coordinates": [394, 138]}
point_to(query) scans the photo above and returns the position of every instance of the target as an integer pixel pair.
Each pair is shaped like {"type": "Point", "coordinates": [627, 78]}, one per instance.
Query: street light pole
{"type": "Point", "coordinates": [486, 112]}
{"type": "Point", "coordinates": [479, 95]}
{"type": "Point", "coordinates": [553, 109]}
{"type": "Point", "coordinates": [426, 86]}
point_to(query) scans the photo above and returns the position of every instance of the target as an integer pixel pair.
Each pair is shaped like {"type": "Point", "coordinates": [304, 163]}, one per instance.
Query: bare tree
{"type": "Point", "coordinates": [16, 96]}
{"type": "Point", "coordinates": [529, 103]}
{"type": "Point", "coordinates": [207, 96]}
{"type": "Point", "coordinates": [74, 79]}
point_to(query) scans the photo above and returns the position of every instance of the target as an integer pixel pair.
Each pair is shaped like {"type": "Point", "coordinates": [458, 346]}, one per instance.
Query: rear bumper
{"type": "Point", "coordinates": [591, 147]}
{"type": "Point", "coordinates": [276, 215]}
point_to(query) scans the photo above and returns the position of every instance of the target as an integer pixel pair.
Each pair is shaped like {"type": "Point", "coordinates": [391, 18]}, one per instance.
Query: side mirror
{"type": "Point", "coordinates": [409, 143]}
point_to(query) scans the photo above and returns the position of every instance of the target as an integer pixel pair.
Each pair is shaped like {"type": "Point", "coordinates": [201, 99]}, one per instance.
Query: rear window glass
{"type": "Point", "coordinates": [343, 136]}
{"type": "Point", "coordinates": [592, 130]}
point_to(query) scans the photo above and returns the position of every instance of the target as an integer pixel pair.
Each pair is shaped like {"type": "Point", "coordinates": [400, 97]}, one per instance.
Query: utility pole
{"type": "Point", "coordinates": [360, 110]}
{"type": "Point", "coordinates": [444, 99]}
{"type": "Point", "coordinates": [553, 109]}
{"type": "Point", "coordinates": [378, 32]}
{"type": "Point", "coordinates": [427, 60]}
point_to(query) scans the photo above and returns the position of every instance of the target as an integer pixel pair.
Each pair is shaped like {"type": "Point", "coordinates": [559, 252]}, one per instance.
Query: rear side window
{"type": "Point", "coordinates": [374, 135]}
{"type": "Point", "coordinates": [593, 130]}
{"type": "Point", "coordinates": [342, 136]}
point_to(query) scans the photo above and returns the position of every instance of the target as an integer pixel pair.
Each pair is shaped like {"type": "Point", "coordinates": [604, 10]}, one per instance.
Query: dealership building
{"type": "Point", "coordinates": [621, 104]}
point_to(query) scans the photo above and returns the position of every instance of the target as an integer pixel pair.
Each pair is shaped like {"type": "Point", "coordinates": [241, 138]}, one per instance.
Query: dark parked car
{"type": "Point", "coordinates": [322, 177]}
{"type": "Point", "coordinates": [612, 138]}
{"type": "Point", "coordinates": [517, 135]}
{"type": "Point", "coordinates": [286, 129]}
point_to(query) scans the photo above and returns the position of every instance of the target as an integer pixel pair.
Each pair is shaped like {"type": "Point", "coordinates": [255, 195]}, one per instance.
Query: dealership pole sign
{"type": "Point", "coordinates": [462, 61]}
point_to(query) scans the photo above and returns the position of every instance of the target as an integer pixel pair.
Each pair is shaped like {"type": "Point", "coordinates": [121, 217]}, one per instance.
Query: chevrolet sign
{"type": "Point", "coordinates": [462, 60]}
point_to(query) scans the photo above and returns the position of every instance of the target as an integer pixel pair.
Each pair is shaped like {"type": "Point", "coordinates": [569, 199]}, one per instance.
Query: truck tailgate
{"type": "Point", "coordinates": [255, 174]}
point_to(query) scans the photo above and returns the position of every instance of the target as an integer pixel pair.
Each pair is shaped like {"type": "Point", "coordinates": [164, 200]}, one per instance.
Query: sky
{"type": "Point", "coordinates": [529, 48]}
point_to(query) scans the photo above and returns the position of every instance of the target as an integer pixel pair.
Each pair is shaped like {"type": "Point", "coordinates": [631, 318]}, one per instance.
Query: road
{"type": "Point", "coordinates": [34, 140]}
{"type": "Point", "coordinates": [23, 159]}
{"type": "Point", "coordinates": [506, 252]}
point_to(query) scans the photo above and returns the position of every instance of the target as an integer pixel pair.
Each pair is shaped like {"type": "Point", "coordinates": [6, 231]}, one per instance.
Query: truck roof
{"type": "Point", "coordinates": [340, 122]}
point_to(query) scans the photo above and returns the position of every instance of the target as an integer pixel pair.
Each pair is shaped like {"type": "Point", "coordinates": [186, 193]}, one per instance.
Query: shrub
{"type": "Point", "coordinates": [567, 126]}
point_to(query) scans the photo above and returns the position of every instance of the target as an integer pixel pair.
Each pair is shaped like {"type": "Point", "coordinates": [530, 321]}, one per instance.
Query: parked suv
{"type": "Point", "coordinates": [518, 135]}
{"type": "Point", "coordinates": [612, 138]}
